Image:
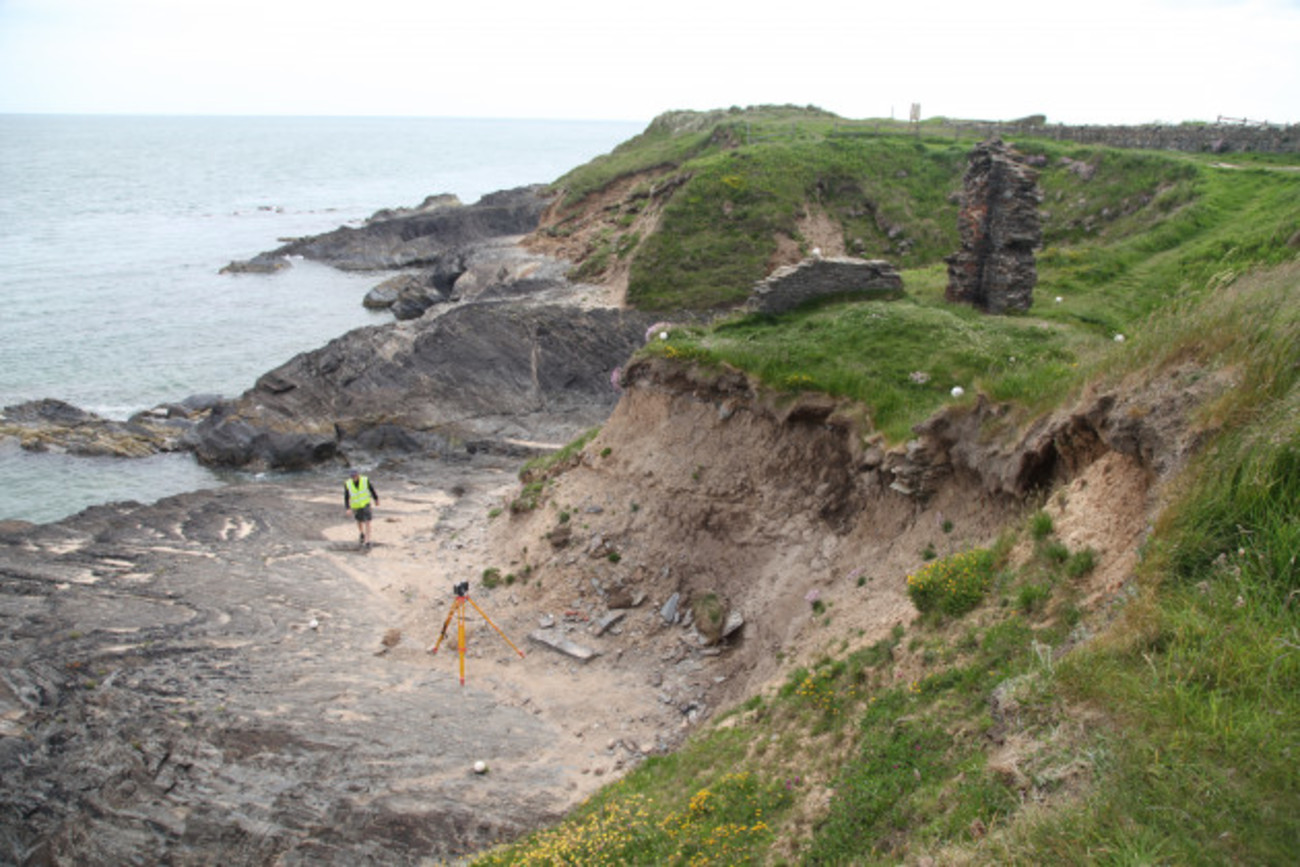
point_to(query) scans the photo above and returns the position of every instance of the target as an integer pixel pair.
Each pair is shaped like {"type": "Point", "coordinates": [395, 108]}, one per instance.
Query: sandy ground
{"type": "Point", "coordinates": [430, 535]}
{"type": "Point", "coordinates": [231, 667]}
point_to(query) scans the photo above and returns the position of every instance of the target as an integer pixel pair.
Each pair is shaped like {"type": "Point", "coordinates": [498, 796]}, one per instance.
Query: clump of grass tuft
{"type": "Point", "coordinates": [1055, 551]}
{"type": "Point", "coordinates": [1080, 563]}
{"type": "Point", "coordinates": [1031, 598]}
{"type": "Point", "coordinates": [530, 496]}
{"type": "Point", "coordinates": [1040, 525]}
{"type": "Point", "coordinates": [542, 466]}
{"type": "Point", "coordinates": [535, 473]}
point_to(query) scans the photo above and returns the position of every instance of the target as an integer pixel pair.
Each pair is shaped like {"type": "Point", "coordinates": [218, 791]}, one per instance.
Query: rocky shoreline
{"type": "Point", "coordinates": [211, 679]}
{"type": "Point", "coordinates": [222, 676]}
{"type": "Point", "coordinates": [491, 344]}
{"type": "Point", "coordinates": [225, 676]}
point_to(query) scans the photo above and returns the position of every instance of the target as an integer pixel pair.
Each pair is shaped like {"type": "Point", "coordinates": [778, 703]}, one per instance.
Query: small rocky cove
{"type": "Point", "coordinates": [505, 352]}
{"type": "Point", "coordinates": [225, 676]}
{"type": "Point", "coordinates": [222, 675]}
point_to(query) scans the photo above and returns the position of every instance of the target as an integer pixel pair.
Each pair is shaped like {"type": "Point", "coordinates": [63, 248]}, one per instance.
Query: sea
{"type": "Point", "coordinates": [114, 230]}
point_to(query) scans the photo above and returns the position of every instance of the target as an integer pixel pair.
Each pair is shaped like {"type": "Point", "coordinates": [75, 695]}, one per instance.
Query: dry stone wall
{"type": "Point", "coordinates": [1219, 138]}
{"type": "Point", "coordinates": [795, 285]}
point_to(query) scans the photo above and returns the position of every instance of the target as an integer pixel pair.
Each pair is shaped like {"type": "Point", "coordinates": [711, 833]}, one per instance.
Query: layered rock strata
{"type": "Point", "coordinates": [480, 372]}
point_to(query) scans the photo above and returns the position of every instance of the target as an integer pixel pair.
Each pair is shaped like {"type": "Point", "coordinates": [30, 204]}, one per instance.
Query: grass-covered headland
{"type": "Point", "coordinates": [1169, 733]}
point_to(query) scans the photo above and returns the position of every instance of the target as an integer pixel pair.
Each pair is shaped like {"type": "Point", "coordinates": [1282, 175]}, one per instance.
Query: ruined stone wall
{"type": "Point", "coordinates": [795, 285]}
{"type": "Point", "coordinates": [1192, 138]}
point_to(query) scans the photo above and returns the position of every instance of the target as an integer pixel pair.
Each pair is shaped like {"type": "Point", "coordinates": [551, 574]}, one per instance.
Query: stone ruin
{"type": "Point", "coordinates": [815, 278]}
{"type": "Point", "coordinates": [1000, 226]}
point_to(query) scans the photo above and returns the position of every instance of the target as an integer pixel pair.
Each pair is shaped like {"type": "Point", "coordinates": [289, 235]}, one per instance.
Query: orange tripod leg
{"type": "Point", "coordinates": [460, 638]}
{"type": "Point", "coordinates": [494, 626]}
{"type": "Point", "coordinates": [445, 624]}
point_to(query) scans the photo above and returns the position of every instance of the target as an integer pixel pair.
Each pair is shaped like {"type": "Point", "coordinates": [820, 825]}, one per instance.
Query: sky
{"type": "Point", "coordinates": [1104, 61]}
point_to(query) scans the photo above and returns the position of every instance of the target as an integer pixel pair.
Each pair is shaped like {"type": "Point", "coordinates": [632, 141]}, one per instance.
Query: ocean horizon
{"type": "Point", "coordinates": [116, 228]}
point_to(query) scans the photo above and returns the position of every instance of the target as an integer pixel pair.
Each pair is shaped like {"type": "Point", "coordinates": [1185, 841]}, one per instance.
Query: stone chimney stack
{"type": "Point", "coordinates": [999, 224]}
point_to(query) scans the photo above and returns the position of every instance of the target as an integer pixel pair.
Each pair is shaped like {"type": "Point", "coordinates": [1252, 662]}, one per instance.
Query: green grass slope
{"type": "Point", "coordinates": [1169, 733]}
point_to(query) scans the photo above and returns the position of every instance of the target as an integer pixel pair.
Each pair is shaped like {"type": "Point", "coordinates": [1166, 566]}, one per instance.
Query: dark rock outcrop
{"type": "Point", "coordinates": [493, 269]}
{"type": "Point", "coordinates": [1000, 227]}
{"type": "Point", "coordinates": [478, 371]}
{"type": "Point", "coordinates": [404, 239]}
{"type": "Point", "coordinates": [485, 371]}
{"type": "Point", "coordinates": [51, 425]}
{"type": "Point", "coordinates": [812, 279]}
{"type": "Point", "coordinates": [386, 294]}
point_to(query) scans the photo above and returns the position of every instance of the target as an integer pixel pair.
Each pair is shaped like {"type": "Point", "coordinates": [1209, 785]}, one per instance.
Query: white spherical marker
{"type": "Point", "coordinates": [480, 767]}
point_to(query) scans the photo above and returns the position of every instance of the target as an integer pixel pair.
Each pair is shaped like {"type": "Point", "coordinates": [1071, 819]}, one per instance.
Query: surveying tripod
{"type": "Point", "coordinates": [458, 611]}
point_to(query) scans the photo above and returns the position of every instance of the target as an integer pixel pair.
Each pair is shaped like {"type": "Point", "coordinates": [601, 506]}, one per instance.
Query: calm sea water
{"type": "Point", "coordinates": [113, 231]}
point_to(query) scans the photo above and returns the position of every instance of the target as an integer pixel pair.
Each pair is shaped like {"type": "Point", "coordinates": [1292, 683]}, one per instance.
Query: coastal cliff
{"type": "Point", "coordinates": [230, 653]}
{"type": "Point", "coordinates": [714, 586]}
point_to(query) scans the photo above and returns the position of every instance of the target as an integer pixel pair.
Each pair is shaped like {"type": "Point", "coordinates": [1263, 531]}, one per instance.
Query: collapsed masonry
{"type": "Point", "coordinates": [1000, 226]}
{"type": "Point", "coordinates": [816, 278]}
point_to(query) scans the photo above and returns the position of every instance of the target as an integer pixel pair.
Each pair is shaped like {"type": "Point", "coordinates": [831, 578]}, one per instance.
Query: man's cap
{"type": "Point", "coordinates": [355, 473]}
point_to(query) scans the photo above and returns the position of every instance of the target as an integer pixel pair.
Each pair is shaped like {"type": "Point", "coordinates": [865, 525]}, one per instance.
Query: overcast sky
{"type": "Point", "coordinates": [1104, 61]}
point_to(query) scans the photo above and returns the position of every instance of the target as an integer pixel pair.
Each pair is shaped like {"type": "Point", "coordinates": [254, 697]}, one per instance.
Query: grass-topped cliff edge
{"type": "Point", "coordinates": [1155, 726]}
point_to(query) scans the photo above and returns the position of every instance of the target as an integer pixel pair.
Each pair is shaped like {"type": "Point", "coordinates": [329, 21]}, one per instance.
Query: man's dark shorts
{"type": "Point", "coordinates": [362, 515]}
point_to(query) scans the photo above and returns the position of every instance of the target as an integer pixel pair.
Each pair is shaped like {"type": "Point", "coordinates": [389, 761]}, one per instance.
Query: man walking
{"type": "Point", "coordinates": [358, 496]}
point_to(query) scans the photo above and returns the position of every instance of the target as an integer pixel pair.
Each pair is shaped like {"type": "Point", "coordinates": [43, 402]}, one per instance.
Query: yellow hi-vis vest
{"type": "Point", "coordinates": [359, 493]}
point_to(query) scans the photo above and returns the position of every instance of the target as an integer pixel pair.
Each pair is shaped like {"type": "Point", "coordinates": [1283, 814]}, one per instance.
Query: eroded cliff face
{"type": "Point", "coordinates": [212, 677]}
{"type": "Point", "coordinates": [702, 484]}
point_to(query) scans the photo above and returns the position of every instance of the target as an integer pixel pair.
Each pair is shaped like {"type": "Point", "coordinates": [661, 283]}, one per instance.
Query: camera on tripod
{"type": "Point", "coordinates": [461, 589]}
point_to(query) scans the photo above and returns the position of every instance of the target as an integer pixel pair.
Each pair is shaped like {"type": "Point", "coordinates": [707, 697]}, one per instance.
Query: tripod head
{"type": "Point", "coordinates": [461, 589]}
